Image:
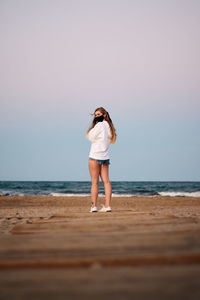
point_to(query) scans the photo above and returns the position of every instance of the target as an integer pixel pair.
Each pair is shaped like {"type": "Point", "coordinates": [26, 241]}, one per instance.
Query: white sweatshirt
{"type": "Point", "coordinates": [100, 138]}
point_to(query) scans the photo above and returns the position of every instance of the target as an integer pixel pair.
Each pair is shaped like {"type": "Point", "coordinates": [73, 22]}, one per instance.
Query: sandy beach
{"type": "Point", "coordinates": [54, 248]}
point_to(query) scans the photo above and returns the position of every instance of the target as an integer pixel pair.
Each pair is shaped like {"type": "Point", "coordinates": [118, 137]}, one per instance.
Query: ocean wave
{"type": "Point", "coordinates": [68, 195]}
{"type": "Point", "coordinates": [124, 195]}
{"type": "Point", "coordinates": [88, 195]}
{"type": "Point", "coordinates": [179, 194]}
{"type": "Point", "coordinates": [11, 193]}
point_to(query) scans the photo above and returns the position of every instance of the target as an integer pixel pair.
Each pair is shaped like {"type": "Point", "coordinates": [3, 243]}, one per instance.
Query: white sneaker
{"type": "Point", "coordinates": [105, 209]}
{"type": "Point", "coordinates": [93, 209]}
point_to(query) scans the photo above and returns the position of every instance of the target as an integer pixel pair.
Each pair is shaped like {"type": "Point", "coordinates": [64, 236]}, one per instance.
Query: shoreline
{"type": "Point", "coordinates": [58, 195]}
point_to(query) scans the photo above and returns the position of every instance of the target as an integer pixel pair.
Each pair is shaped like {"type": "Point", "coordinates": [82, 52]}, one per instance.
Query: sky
{"type": "Point", "coordinates": [61, 59]}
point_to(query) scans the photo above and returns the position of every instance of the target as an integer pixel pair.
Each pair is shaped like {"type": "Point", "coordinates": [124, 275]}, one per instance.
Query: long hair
{"type": "Point", "coordinates": [108, 119]}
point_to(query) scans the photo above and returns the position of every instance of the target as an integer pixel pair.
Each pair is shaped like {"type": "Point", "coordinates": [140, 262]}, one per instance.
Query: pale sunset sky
{"type": "Point", "coordinates": [139, 59]}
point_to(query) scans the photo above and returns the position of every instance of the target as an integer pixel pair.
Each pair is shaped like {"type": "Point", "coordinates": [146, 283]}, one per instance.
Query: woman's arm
{"type": "Point", "coordinates": [94, 132]}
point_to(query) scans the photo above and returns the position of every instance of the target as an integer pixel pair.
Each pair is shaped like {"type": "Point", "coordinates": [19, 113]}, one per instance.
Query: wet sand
{"type": "Point", "coordinates": [53, 248]}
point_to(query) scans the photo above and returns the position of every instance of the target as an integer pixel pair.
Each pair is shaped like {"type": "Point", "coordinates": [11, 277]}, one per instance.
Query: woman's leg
{"type": "Point", "coordinates": [107, 186]}
{"type": "Point", "coordinates": [94, 169]}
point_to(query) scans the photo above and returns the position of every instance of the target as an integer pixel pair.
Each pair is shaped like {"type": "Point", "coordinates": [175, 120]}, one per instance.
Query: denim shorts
{"type": "Point", "coordinates": [102, 162]}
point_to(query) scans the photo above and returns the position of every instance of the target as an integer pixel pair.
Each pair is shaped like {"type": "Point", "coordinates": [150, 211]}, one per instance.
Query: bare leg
{"type": "Point", "coordinates": [94, 169]}
{"type": "Point", "coordinates": [107, 186]}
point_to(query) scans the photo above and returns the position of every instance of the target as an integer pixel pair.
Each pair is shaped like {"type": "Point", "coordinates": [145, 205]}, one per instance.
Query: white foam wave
{"type": "Point", "coordinates": [68, 195]}
{"type": "Point", "coordinates": [122, 195]}
{"type": "Point", "coordinates": [88, 195]}
{"type": "Point", "coordinates": [10, 193]}
{"type": "Point", "coordinates": [180, 194]}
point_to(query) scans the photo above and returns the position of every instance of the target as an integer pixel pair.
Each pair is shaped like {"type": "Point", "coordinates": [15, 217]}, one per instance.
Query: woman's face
{"type": "Point", "coordinates": [97, 113]}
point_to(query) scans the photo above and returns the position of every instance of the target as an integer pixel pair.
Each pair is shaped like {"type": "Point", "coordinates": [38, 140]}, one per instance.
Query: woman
{"type": "Point", "coordinates": [101, 134]}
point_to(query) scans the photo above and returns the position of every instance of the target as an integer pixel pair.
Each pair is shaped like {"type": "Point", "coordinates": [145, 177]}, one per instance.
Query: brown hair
{"type": "Point", "coordinates": [108, 119]}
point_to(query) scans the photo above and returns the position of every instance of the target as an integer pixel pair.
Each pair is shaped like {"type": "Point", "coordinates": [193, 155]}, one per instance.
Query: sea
{"type": "Point", "coordinates": [119, 188]}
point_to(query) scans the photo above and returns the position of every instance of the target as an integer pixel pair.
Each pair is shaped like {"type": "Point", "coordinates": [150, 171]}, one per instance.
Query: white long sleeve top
{"type": "Point", "coordinates": [99, 136]}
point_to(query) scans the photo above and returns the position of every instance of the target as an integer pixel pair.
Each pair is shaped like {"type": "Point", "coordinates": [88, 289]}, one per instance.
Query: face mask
{"type": "Point", "coordinates": [99, 119]}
